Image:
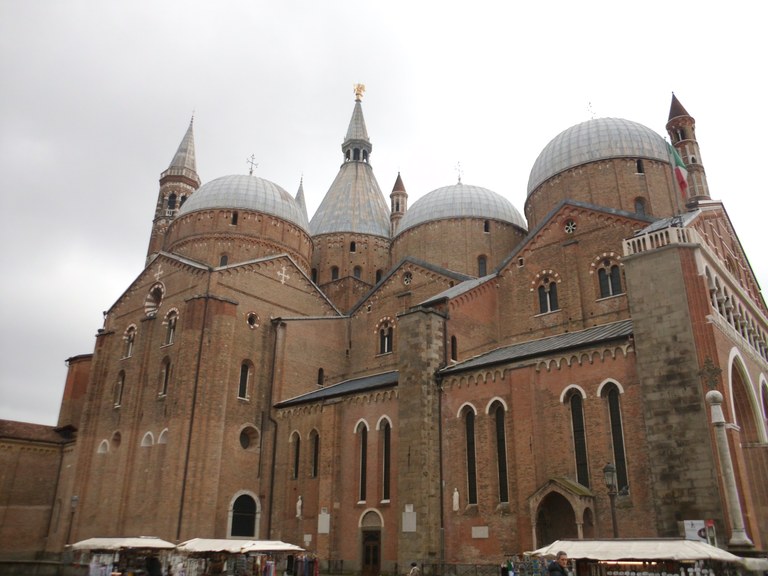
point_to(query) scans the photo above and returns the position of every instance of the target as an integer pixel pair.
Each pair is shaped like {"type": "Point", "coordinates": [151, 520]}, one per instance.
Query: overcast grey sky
{"type": "Point", "coordinates": [95, 97]}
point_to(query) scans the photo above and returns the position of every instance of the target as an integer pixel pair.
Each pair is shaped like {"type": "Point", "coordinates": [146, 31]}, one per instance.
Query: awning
{"type": "Point", "coordinates": [199, 545]}
{"type": "Point", "coordinates": [639, 549]}
{"type": "Point", "coordinates": [140, 542]}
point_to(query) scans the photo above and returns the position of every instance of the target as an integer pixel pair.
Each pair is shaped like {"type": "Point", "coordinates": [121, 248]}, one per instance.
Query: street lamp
{"type": "Point", "coordinates": [609, 475]}
{"type": "Point", "coordinates": [73, 506]}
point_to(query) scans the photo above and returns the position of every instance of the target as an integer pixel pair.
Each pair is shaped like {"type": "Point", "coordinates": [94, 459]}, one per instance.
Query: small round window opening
{"type": "Point", "coordinates": [407, 277]}
{"type": "Point", "coordinates": [253, 320]}
{"type": "Point", "coordinates": [570, 227]}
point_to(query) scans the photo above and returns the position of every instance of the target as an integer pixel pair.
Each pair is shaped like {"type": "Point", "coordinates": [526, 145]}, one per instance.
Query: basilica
{"type": "Point", "coordinates": [443, 381]}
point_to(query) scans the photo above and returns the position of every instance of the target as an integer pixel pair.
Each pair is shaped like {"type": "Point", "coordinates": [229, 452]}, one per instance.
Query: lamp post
{"type": "Point", "coordinates": [609, 475]}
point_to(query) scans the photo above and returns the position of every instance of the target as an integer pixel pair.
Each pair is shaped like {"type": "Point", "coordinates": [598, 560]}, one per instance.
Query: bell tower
{"type": "Point", "coordinates": [399, 204]}
{"type": "Point", "coordinates": [177, 182]}
{"type": "Point", "coordinates": [681, 128]}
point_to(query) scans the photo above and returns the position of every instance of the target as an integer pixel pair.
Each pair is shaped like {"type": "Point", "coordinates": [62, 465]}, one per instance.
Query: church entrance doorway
{"type": "Point", "coordinates": [371, 553]}
{"type": "Point", "coordinates": [555, 520]}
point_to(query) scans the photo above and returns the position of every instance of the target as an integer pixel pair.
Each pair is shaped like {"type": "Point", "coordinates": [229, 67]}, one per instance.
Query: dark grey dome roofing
{"type": "Point", "coordinates": [460, 201]}
{"type": "Point", "coordinates": [246, 193]}
{"type": "Point", "coordinates": [593, 140]}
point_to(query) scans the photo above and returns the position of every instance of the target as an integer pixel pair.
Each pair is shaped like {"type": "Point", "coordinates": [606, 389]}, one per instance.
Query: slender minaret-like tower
{"type": "Point", "coordinates": [176, 185]}
{"type": "Point", "coordinates": [399, 204]}
{"type": "Point", "coordinates": [681, 128]}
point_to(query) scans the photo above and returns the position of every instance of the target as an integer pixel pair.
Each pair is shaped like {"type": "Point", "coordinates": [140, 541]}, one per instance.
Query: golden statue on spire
{"type": "Point", "coordinates": [359, 91]}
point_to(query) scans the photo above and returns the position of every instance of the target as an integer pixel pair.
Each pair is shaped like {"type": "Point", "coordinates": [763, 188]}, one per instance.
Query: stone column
{"type": "Point", "coordinates": [738, 533]}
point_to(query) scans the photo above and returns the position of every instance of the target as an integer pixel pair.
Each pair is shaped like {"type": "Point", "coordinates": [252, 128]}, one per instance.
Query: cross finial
{"type": "Point", "coordinates": [590, 110]}
{"type": "Point", "coordinates": [459, 171]}
{"type": "Point", "coordinates": [252, 161]}
{"type": "Point", "coordinates": [710, 373]}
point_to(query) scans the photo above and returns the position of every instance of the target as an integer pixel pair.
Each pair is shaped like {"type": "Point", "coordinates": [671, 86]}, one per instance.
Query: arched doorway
{"type": "Point", "coordinates": [243, 516]}
{"type": "Point", "coordinates": [555, 519]}
{"type": "Point", "coordinates": [370, 526]}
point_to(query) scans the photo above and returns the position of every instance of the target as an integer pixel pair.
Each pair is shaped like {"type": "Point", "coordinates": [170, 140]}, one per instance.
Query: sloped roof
{"type": "Point", "coordinates": [534, 348]}
{"type": "Point", "coordinates": [353, 386]}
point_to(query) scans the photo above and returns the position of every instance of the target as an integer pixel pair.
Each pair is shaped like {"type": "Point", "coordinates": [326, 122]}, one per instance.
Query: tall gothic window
{"type": "Point", "coordinates": [362, 434]}
{"type": "Point", "coordinates": [314, 439]}
{"type": "Point", "coordinates": [612, 394]}
{"type": "Point", "coordinates": [296, 455]}
{"type": "Point", "coordinates": [385, 338]}
{"type": "Point", "coordinates": [469, 435]}
{"type": "Point", "coordinates": [117, 396]}
{"type": "Point", "coordinates": [501, 451]}
{"type": "Point", "coordinates": [170, 327]}
{"type": "Point", "coordinates": [165, 376]}
{"type": "Point", "coordinates": [130, 340]}
{"type": "Point", "coordinates": [482, 265]}
{"type": "Point", "coordinates": [386, 459]}
{"type": "Point", "coordinates": [245, 376]}
{"type": "Point", "coordinates": [579, 438]}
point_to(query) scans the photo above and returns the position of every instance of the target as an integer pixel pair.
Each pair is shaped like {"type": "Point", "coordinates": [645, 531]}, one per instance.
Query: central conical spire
{"type": "Point", "coordinates": [357, 146]}
{"type": "Point", "coordinates": [184, 163]}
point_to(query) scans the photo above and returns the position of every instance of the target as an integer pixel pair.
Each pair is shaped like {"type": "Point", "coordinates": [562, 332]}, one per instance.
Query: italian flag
{"type": "Point", "coordinates": [681, 174]}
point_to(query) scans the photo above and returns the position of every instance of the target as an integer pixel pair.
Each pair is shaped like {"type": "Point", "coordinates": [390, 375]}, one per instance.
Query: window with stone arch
{"type": "Point", "coordinates": [244, 512]}
{"type": "Point", "coordinates": [608, 270]}
{"type": "Point", "coordinates": [154, 299]}
{"type": "Point", "coordinates": [296, 453]}
{"type": "Point", "coordinates": [574, 399]}
{"type": "Point", "coordinates": [362, 452]}
{"type": "Point", "coordinates": [385, 331]}
{"type": "Point", "coordinates": [117, 393]}
{"type": "Point", "coordinates": [468, 416]}
{"type": "Point", "coordinates": [385, 437]}
{"type": "Point", "coordinates": [129, 341]}
{"type": "Point", "coordinates": [482, 265]}
{"type": "Point", "coordinates": [497, 412]}
{"type": "Point", "coordinates": [165, 376]}
{"type": "Point", "coordinates": [170, 326]}
{"type": "Point", "coordinates": [764, 402]}
{"type": "Point", "coordinates": [545, 285]}
{"type": "Point", "coordinates": [611, 392]}
{"type": "Point", "coordinates": [172, 201]}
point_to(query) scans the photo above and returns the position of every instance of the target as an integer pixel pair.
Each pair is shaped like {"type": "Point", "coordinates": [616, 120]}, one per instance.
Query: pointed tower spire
{"type": "Point", "coordinates": [681, 128]}
{"type": "Point", "coordinates": [177, 183]}
{"type": "Point", "coordinates": [300, 199]}
{"type": "Point", "coordinates": [357, 146]}
{"type": "Point", "coordinates": [398, 204]}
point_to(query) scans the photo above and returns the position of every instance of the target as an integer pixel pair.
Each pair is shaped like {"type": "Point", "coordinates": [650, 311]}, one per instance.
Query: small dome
{"type": "Point", "coordinates": [242, 192]}
{"type": "Point", "coordinates": [595, 140]}
{"type": "Point", "coordinates": [460, 201]}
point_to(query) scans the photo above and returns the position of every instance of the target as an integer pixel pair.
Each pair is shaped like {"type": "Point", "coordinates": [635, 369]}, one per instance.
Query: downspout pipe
{"type": "Point", "coordinates": [277, 324]}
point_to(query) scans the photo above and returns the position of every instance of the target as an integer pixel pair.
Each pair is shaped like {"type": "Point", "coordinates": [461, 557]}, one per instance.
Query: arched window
{"type": "Point", "coordinates": [356, 154]}
{"type": "Point", "coordinates": [334, 272]}
{"type": "Point", "coordinates": [296, 455]}
{"type": "Point", "coordinates": [469, 436]}
{"type": "Point", "coordinates": [320, 376]}
{"type": "Point", "coordinates": [482, 265]}
{"type": "Point", "coordinates": [609, 278]}
{"type": "Point", "coordinates": [362, 435]}
{"type": "Point", "coordinates": [130, 340]}
{"type": "Point", "coordinates": [386, 459]}
{"type": "Point", "coordinates": [579, 438]}
{"type": "Point", "coordinates": [165, 376]}
{"type": "Point", "coordinates": [172, 202]}
{"type": "Point", "coordinates": [245, 376]}
{"type": "Point", "coordinates": [234, 219]}
{"type": "Point", "coordinates": [501, 450]}
{"type": "Point", "coordinates": [170, 327]}
{"type": "Point", "coordinates": [117, 396]}
{"type": "Point", "coordinates": [353, 246]}
{"type": "Point", "coordinates": [640, 206]}
{"type": "Point", "coordinates": [244, 516]}
{"type": "Point", "coordinates": [454, 349]}
{"type": "Point", "coordinates": [314, 440]}
{"type": "Point", "coordinates": [314, 275]}
{"type": "Point", "coordinates": [547, 296]}
{"type": "Point", "coordinates": [639, 168]}
{"type": "Point", "coordinates": [378, 276]}
{"type": "Point", "coordinates": [385, 338]}
{"type": "Point", "coordinates": [223, 260]}
{"type": "Point", "coordinates": [611, 393]}
{"type": "Point", "coordinates": [487, 226]}
{"type": "Point", "coordinates": [357, 272]}
{"type": "Point", "coordinates": [154, 299]}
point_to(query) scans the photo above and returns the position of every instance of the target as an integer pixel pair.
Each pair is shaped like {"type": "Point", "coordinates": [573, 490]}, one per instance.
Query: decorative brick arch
{"type": "Point", "coordinates": [580, 498]}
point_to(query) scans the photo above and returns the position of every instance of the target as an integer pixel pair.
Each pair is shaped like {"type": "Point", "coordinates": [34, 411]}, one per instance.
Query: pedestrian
{"type": "Point", "coordinates": [414, 571]}
{"type": "Point", "coordinates": [559, 566]}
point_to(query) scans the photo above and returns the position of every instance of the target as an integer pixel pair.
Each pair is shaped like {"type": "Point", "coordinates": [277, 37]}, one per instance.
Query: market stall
{"type": "Point", "coordinates": [131, 556]}
{"type": "Point", "coordinates": [212, 557]}
{"type": "Point", "coordinates": [648, 557]}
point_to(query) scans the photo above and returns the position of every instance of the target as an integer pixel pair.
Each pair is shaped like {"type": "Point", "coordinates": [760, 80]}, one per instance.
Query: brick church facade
{"type": "Point", "coordinates": [439, 382]}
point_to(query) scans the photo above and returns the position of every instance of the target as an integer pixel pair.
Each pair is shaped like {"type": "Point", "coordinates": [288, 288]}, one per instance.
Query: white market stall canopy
{"type": "Point", "coordinates": [140, 542]}
{"type": "Point", "coordinates": [639, 549]}
{"type": "Point", "coordinates": [200, 545]}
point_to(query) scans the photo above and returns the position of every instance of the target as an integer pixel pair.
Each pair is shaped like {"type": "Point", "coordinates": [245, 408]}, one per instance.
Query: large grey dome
{"type": "Point", "coordinates": [594, 140]}
{"type": "Point", "coordinates": [460, 201]}
{"type": "Point", "coordinates": [246, 193]}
